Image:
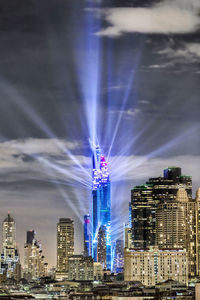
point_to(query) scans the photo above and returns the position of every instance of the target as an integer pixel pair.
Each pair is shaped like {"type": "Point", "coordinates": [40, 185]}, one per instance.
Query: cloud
{"type": "Point", "coordinates": [129, 112]}
{"type": "Point", "coordinates": [187, 53]}
{"type": "Point", "coordinates": [169, 17]}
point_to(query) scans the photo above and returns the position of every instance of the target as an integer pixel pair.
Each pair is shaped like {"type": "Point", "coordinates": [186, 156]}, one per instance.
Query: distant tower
{"type": "Point", "coordinates": [65, 245]}
{"type": "Point", "coordinates": [34, 260]}
{"type": "Point", "coordinates": [30, 236]}
{"type": "Point", "coordinates": [10, 263]}
{"type": "Point", "coordinates": [101, 205]}
{"type": "Point", "coordinates": [9, 232]}
{"type": "Point", "coordinates": [101, 246]}
{"type": "Point", "coordinates": [119, 256]}
{"type": "Point", "coordinates": [87, 236]}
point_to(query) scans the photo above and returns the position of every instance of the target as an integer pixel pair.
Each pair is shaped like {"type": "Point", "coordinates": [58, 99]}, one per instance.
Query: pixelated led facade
{"type": "Point", "coordinates": [101, 205]}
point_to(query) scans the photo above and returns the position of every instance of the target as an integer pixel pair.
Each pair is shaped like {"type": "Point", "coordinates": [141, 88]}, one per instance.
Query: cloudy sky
{"type": "Point", "coordinates": [126, 72]}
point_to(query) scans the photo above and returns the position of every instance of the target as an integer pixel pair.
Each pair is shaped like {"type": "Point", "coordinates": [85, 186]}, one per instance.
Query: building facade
{"type": "Point", "coordinates": [81, 268]}
{"type": "Point", "coordinates": [153, 266]}
{"type": "Point", "coordinates": [145, 200]}
{"type": "Point", "coordinates": [65, 245]}
{"type": "Point", "coordinates": [176, 226]}
{"type": "Point", "coordinates": [101, 206]}
{"type": "Point", "coordinates": [87, 236]}
{"type": "Point", "coordinates": [34, 260]}
{"type": "Point", "coordinates": [118, 261]}
{"type": "Point", "coordinates": [10, 261]}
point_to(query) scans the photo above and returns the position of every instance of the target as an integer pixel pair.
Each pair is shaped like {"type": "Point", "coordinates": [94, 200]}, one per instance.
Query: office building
{"type": "Point", "coordinates": [128, 236]}
{"type": "Point", "coordinates": [118, 261]}
{"type": "Point", "coordinates": [87, 236]}
{"type": "Point", "coordinates": [30, 236]}
{"type": "Point", "coordinates": [98, 271]}
{"type": "Point", "coordinates": [34, 261]}
{"type": "Point", "coordinates": [176, 226]}
{"type": "Point", "coordinates": [81, 268]}
{"type": "Point", "coordinates": [101, 246]}
{"type": "Point", "coordinates": [145, 199]}
{"type": "Point", "coordinates": [10, 261]}
{"type": "Point", "coordinates": [65, 245]}
{"type": "Point", "coordinates": [153, 266]}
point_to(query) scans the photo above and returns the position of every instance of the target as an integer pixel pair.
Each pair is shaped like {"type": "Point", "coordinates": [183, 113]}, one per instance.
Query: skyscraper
{"type": "Point", "coordinates": [118, 263]}
{"type": "Point", "coordinates": [87, 236]}
{"type": "Point", "coordinates": [145, 199]}
{"type": "Point", "coordinates": [30, 235]}
{"type": "Point", "coordinates": [65, 245]}
{"type": "Point", "coordinates": [9, 257]}
{"type": "Point", "coordinates": [34, 260]}
{"type": "Point", "coordinates": [176, 226]}
{"type": "Point", "coordinates": [101, 205]}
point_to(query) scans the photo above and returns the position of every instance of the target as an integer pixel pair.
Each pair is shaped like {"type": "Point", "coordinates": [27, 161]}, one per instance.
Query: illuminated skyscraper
{"type": "Point", "coordinates": [10, 256]}
{"type": "Point", "coordinates": [87, 236]}
{"type": "Point", "coordinates": [34, 260]}
{"type": "Point", "coordinates": [101, 205]}
{"type": "Point", "coordinates": [145, 200]}
{"type": "Point", "coordinates": [65, 246]}
{"type": "Point", "coordinates": [118, 263]}
{"type": "Point", "coordinates": [176, 226]}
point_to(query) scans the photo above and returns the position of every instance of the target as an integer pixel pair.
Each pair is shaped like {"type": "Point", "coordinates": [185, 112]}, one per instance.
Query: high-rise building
{"type": "Point", "coordinates": [118, 261]}
{"type": "Point", "coordinates": [30, 236]}
{"type": "Point", "coordinates": [143, 216]}
{"type": "Point", "coordinates": [176, 226]}
{"type": "Point", "coordinates": [197, 200]}
{"type": "Point", "coordinates": [145, 199]}
{"type": "Point", "coordinates": [87, 236]}
{"type": "Point", "coordinates": [153, 266]}
{"type": "Point", "coordinates": [128, 236]}
{"type": "Point", "coordinates": [34, 260]}
{"type": "Point", "coordinates": [65, 245]}
{"type": "Point", "coordinates": [101, 246]}
{"type": "Point", "coordinates": [98, 271]}
{"type": "Point", "coordinates": [101, 205]}
{"type": "Point", "coordinates": [81, 268]}
{"type": "Point", "coordinates": [10, 262]}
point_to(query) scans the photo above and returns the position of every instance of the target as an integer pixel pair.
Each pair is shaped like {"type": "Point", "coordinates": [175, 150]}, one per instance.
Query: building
{"type": "Point", "coordinates": [144, 202]}
{"type": "Point", "coordinates": [101, 206]}
{"type": "Point", "coordinates": [143, 216]}
{"type": "Point", "coordinates": [98, 271]}
{"type": "Point", "coordinates": [197, 200]}
{"type": "Point", "coordinates": [87, 236]}
{"type": "Point", "coordinates": [101, 246]}
{"type": "Point", "coordinates": [10, 261]}
{"type": "Point", "coordinates": [153, 266]}
{"type": "Point", "coordinates": [81, 268]}
{"type": "Point", "coordinates": [128, 237]}
{"type": "Point", "coordinates": [176, 226]}
{"type": "Point", "coordinates": [34, 260]}
{"type": "Point", "coordinates": [118, 262]}
{"type": "Point", "coordinates": [30, 236]}
{"type": "Point", "coordinates": [65, 245]}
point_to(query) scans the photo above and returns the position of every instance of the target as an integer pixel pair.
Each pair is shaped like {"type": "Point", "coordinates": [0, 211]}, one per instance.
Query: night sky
{"type": "Point", "coordinates": [127, 70]}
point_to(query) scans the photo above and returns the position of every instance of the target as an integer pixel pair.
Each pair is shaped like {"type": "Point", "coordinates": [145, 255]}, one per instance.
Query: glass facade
{"type": "Point", "coordinates": [145, 200]}
{"type": "Point", "coordinates": [87, 236]}
{"type": "Point", "coordinates": [101, 205]}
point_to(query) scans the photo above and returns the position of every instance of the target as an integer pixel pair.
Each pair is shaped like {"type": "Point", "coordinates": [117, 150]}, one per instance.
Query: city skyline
{"type": "Point", "coordinates": [72, 73]}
